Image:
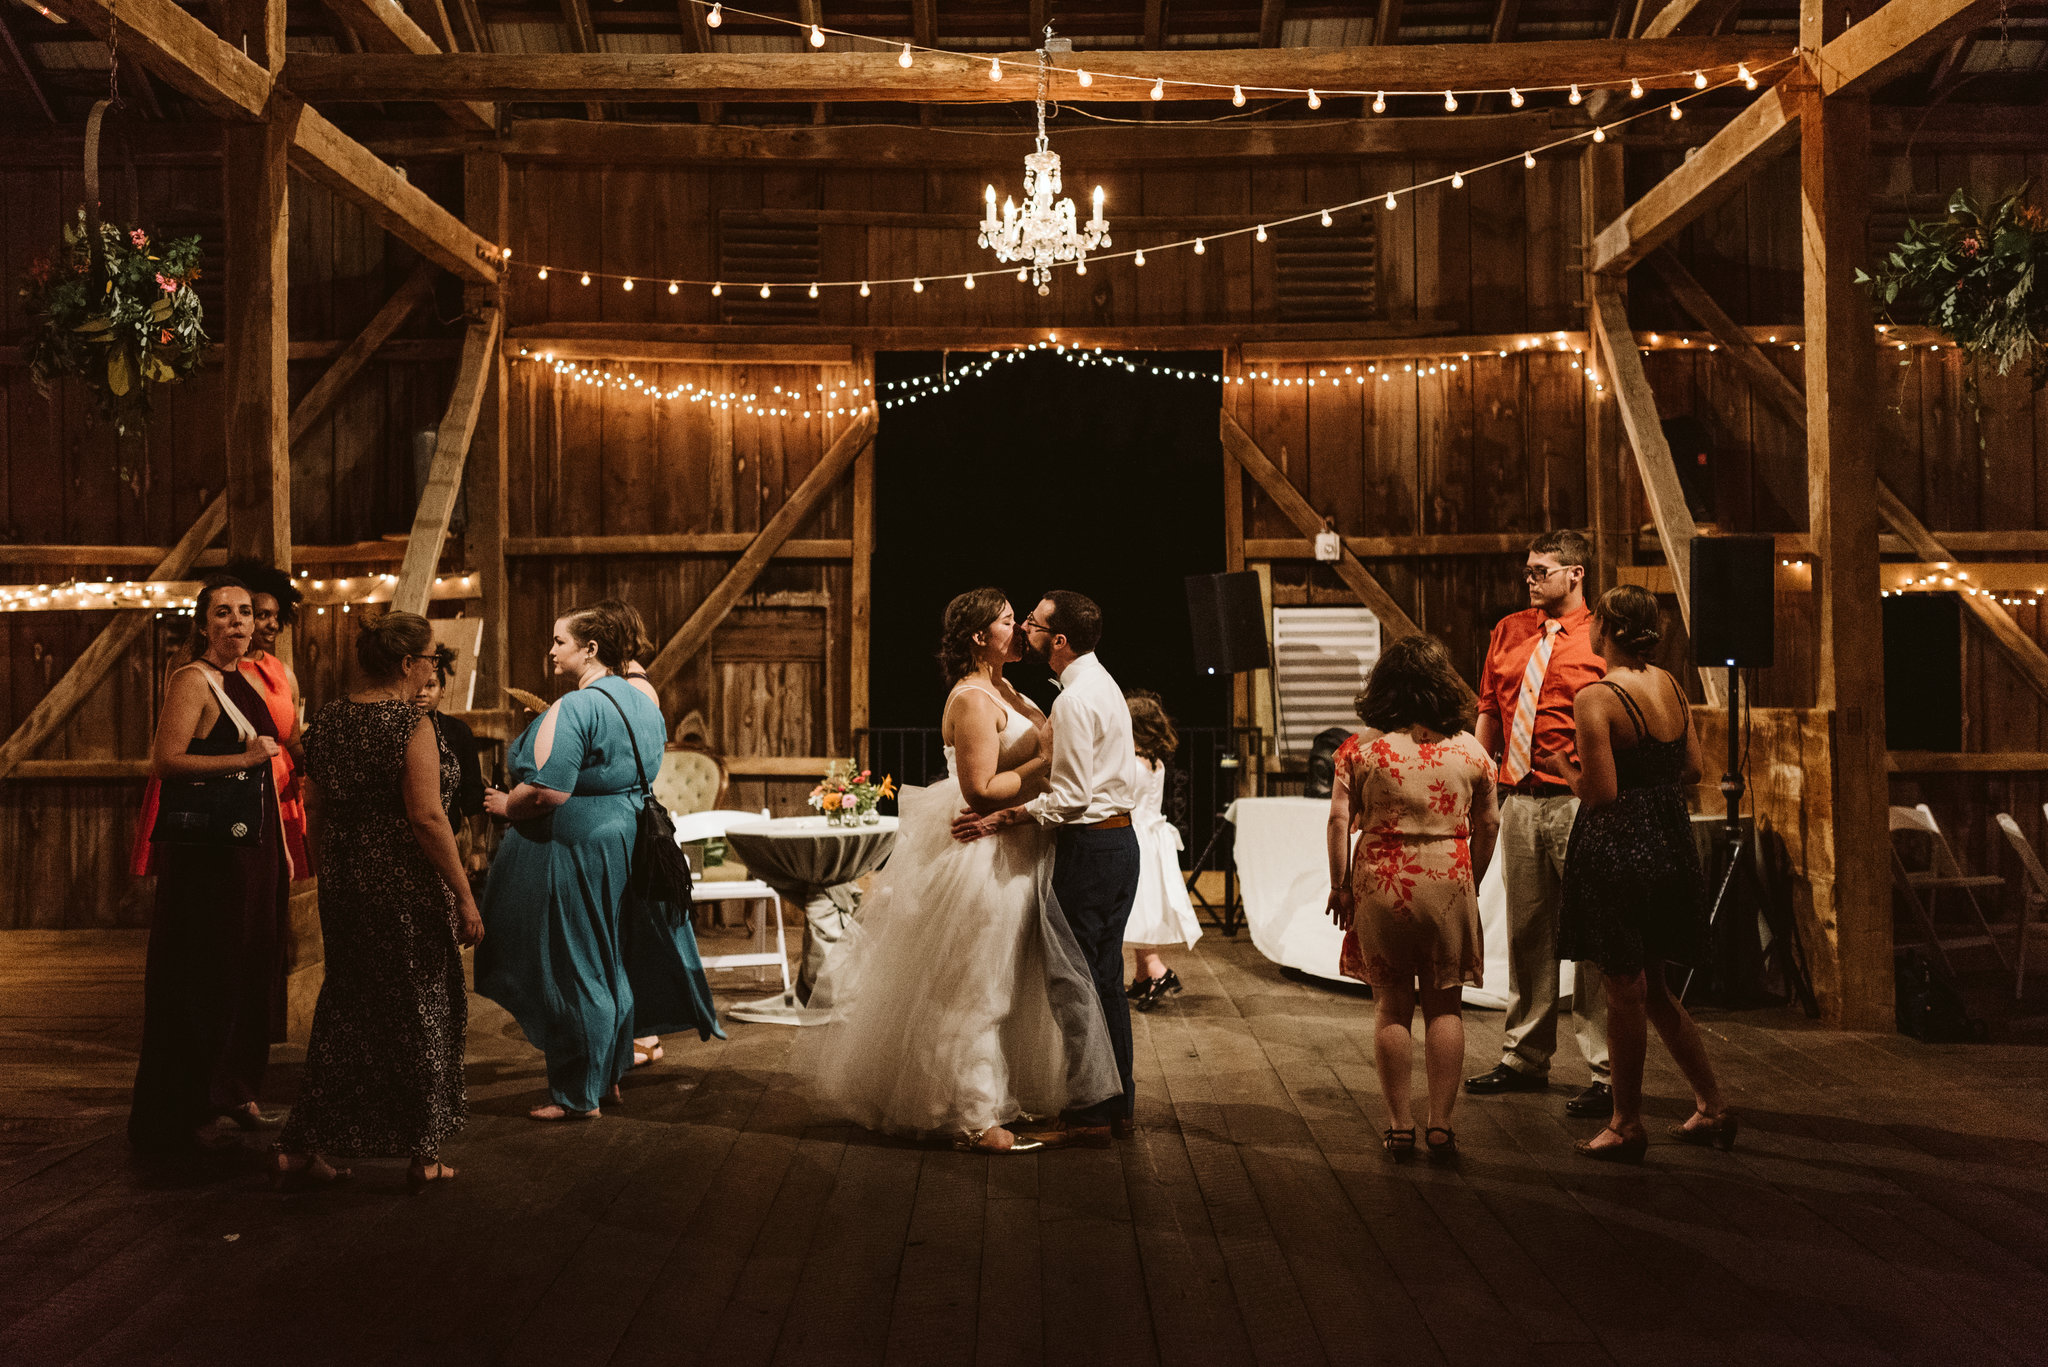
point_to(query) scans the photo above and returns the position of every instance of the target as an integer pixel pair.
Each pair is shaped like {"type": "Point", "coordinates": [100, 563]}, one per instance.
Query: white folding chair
{"type": "Point", "coordinates": [751, 891]}
{"type": "Point", "coordinates": [1923, 883]}
{"type": "Point", "coordinates": [2030, 905]}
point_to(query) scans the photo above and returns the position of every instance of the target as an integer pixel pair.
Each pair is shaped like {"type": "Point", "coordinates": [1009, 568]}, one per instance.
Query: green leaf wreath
{"type": "Point", "coordinates": [123, 327]}
{"type": "Point", "coordinates": [1975, 275]}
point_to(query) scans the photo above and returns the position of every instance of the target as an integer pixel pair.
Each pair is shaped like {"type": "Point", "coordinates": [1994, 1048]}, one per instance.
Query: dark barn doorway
{"type": "Point", "coordinates": [1043, 474]}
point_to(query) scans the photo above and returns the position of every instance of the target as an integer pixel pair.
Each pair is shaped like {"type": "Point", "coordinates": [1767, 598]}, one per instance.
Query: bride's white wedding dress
{"type": "Point", "coordinates": [960, 999]}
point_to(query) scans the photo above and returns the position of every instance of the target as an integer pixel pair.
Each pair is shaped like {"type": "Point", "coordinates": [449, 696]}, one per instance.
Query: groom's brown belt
{"type": "Point", "coordinates": [1113, 823]}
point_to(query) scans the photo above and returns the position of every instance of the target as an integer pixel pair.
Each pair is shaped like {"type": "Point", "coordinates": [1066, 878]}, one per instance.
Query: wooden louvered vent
{"type": "Point", "coordinates": [1327, 275]}
{"type": "Point", "coordinates": [763, 248]}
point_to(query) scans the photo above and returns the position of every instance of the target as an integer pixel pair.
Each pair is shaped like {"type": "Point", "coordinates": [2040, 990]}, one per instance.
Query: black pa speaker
{"type": "Point", "coordinates": [1228, 622]}
{"type": "Point", "coordinates": [1734, 600]}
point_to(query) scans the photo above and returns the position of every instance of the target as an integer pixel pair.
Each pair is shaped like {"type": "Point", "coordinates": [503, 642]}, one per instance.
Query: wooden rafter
{"type": "Point", "coordinates": [474, 29]}
{"type": "Point", "coordinates": [444, 477]}
{"type": "Point", "coordinates": [1680, 18]}
{"type": "Point", "coordinates": [1787, 398]}
{"type": "Point", "coordinates": [1239, 446]}
{"type": "Point", "coordinates": [1665, 63]}
{"type": "Point", "coordinates": [417, 288]}
{"type": "Point", "coordinates": [383, 27]}
{"type": "Point", "coordinates": [108, 648]}
{"type": "Point", "coordinates": [582, 32]}
{"type": "Point", "coordinates": [808, 12]}
{"type": "Point", "coordinates": [23, 67]}
{"type": "Point", "coordinates": [1766, 128]}
{"type": "Point", "coordinates": [1386, 24]}
{"type": "Point", "coordinates": [1638, 406]}
{"type": "Point", "coordinates": [1892, 39]}
{"type": "Point", "coordinates": [696, 632]}
{"type": "Point", "coordinates": [1272, 13]}
{"type": "Point", "coordinates": [1155, 24]}
{"type": "Point", "coordinates": [196, 62]}
{"type": "Point", "coordinates": [697, 38]}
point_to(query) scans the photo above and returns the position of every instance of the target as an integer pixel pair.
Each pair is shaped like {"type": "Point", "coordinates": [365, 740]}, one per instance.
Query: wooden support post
{"type": "Point", "coordinates": [1234, 547]}
{"type": "Point", "coordinates": [1841, 481]}
{"type": "Point", "coordinates": [696, 632]}
{"type": "Point", "coordinates": [1638, 406]}
{"type": "Point", "coordinates": [1238, 445]}
{"type": "Point", "coordinates": [484, 203]}
{"type": "Point", "coordinates": [109, 647]}
{"type": "Point", "coordinates": [256, 179]}
{"type": "Point", "coordinates": [444, 478]}
{"type": "Point", "coordinates": [1600, 199]}
{"type": "Point", "coordinates": [861, 617]}
{"type": "Point", "coordinates": [418, 287]}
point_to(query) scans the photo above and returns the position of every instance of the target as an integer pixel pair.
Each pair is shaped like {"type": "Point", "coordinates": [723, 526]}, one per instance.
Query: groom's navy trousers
{"type": "Point", "coordinates": [1095, 878]}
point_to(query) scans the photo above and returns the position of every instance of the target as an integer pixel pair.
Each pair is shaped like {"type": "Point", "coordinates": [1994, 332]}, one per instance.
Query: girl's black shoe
{"type": "Point", "coordinates": [1157, 990]}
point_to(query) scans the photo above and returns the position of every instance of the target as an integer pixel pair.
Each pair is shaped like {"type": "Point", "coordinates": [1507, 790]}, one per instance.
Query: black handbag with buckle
{"type": "Point", "coordinates": [226, 809]}
{"type": "Point", "coordinates": [660, 869]}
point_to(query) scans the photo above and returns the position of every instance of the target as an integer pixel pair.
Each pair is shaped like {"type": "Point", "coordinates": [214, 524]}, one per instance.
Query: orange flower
{"type": "Point", "coordinates": [831, 802]}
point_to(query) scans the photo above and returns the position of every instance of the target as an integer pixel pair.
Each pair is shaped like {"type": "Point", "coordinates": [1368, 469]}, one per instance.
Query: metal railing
{"type": "Point", "coordinates": [1199, 784]}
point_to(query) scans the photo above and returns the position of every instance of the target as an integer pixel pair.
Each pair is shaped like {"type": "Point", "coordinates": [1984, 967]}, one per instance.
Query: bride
{"type": "Point", "coordinates": [961, 1000]}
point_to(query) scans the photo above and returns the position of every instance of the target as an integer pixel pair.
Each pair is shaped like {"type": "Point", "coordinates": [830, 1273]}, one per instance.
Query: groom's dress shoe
{"type": "Point", "coordinates": [1061, 1134]}
{"type": "Point", "coordinates": [1596, 1100]}
{"type": "Point", "coordinates": [1505, 1079]}
{"type": "Point", "coordinates": [1123, 1128]}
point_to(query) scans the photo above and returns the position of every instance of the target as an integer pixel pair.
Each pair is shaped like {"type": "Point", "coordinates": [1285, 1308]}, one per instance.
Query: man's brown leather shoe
{"type": "Point", "coordinates": [1061, 1134]}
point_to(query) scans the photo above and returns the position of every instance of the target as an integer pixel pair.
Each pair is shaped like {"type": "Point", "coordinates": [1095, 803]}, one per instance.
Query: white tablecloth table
{"type": "Point", "coordinates": [814, 864]}
{"type": "Point", "coordinates": [1284, 872]}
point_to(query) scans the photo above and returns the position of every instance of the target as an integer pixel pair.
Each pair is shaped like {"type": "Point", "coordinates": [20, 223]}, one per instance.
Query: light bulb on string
{"type": "Point", "coordinates": [1023, 274]}
{"type": "Point", "coordinates": [1450, 102]}
{"type": "Point", "coordinates": [1199, 248]}
{"type": "Point", "coordinates": [1599, 134]}
{"type": "Point", "coordinates": [586, 277]}
{"type": "Point", "coordinates": [717, 289]}
{"type": "Point", "coordinates": [1237, 96]}
{"type": "Point", "coordinates": [1327, 220]}
{"type": "Point", "coordinates": [673, 287]}
{"type": "Point", "coordinates": [715, 18]}
{"type": "Point", "coordinates": [814, 289]}
{"type": "Point", "coordinates": [543, 272]}
{"type": "Point", "coordinates": [1575, 97]}
{"type": "Point", "coordinates": [1260, 235]}
{"type": "Point", "coordinates": [917, 287]}
{"type": "Point", "coordinates": [1379, 102]}
{"type": "Point", "coordinates": [628, 286]}
{"type": "Point", "coordinates": [1390, 200]}
{"type": "Point", "coordinates": [968, 283]}
{"type": "Point", "coordinates": [1084, 78]}
{"type": "Point", "coordinates": [1315, 101]}
{"type": "Point", "coordinates": [817, 36]}
{"type": "Point", "coordinates": [1635, 88]}
{"type": "Point", "coordinates": [863, 289]}
{"type": "Point", "coordinates": [1159, 88]}
{"type": "Point", "coordinates": [1699, 80]}
{"type": "Point", "coordinates": [1515, 98]}
{"type": "Point", "coordinates": [1457, 180]}
{"type": "Point", "coordinates": [1528, 161]}
{"type": "Point", "coordinates": [995, 69]}
{"type": "Point", "coordinates": [764, 291]}
{"type": "Point", "coordinates": [1139, 259]}
{"type": "Point", "coordinates": [903, 57]}
{"type": "Point", "coordinates": [1676, 113]}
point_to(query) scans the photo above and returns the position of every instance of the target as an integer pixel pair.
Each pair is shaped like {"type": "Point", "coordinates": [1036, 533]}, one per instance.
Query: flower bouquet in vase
{"type": "Point", "coordinates": [847, 796]}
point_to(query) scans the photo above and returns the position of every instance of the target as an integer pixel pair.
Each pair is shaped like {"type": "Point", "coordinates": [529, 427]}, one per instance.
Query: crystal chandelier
{"type": "Point", "coordinates": [1047, 231]}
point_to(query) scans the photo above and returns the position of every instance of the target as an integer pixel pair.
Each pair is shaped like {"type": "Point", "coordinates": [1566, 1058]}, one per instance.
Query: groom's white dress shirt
{"type": "Point", "coordinates": [1094, 762]}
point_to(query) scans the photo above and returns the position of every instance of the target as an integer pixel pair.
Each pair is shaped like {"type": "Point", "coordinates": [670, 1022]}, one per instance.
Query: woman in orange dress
{"type": "Point", "coordinates": [1419, 792]}
{"type": "Point", "coordinates": [276, 600]}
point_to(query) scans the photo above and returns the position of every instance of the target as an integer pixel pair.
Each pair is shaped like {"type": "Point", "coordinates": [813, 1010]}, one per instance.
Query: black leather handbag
{"type": "Point", "coordinates": [660, 871]}
{"type": "Point", "coordinates": [226, 809]}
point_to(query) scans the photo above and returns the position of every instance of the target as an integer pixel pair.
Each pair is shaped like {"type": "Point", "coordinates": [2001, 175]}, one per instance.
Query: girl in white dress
{"type": "Point", "coordinates": [1162, 915]}
{"type": "Point", "coordinates": [961, 1000]}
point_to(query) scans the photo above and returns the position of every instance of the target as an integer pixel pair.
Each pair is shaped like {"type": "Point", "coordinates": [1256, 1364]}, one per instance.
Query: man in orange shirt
{"type": "Point", "coordinates": [1536, 663]}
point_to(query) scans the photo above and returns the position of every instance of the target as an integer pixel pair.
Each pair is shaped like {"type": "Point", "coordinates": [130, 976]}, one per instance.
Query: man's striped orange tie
{"type": "Point", "coordinates": [1522, 732]}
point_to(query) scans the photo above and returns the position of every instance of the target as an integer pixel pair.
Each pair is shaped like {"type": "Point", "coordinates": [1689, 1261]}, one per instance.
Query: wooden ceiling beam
{"type": "Point", "coordinates": [697, 38]}
{"type": "Point", "coordinates": [474, 27]}
{"type": "Point", "coordinates": [383, 27]}
{"type": "Point", "coordinates": [444, 476]}
{"type": "Point", "coordinates": [417, 289]}
{"type": "Point", "coordinates": [582, 35]}
{"type": "Point", "coordinates": [1894, 39]}
{"type": "Point", "coordinates": [24, 67]}
{"type": "Point", "coordinates": [1386, 24]}
{"type": "Point", "coordinates": [1272, 13]}
{"type": "Point", "coordinates": [875, 77]}
{"type": "Point", "coordinates": [1155, 24]}
{"type": "Point", "coordinates": [810, 12]}
{"type": "Point", "coordinates": [325, 153]}
{"type": "Point", "coordinates": [1679, 19]}
{"type": "Point", "coordinates": [183, 51]}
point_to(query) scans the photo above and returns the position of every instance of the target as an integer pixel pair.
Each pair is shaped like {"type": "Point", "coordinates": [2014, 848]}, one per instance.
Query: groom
{"type": "Point", "coordinates": [1090, 791]}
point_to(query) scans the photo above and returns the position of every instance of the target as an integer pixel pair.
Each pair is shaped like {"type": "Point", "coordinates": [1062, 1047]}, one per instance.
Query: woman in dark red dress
{"type": "Point", "coordinates": [213, 986]}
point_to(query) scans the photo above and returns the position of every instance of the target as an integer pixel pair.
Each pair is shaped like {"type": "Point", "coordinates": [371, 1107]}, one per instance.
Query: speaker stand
{"type": "Point", "coordinates": [1739, 895]}
{"type": "Point", "coordinates": [1216, 858]}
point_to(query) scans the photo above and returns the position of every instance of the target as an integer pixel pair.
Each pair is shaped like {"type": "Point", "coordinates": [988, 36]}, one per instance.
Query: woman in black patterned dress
{"type": "Point", "coordinates": [1633, 896]}
{"type": "Point", "coordinates": [384, 1064]}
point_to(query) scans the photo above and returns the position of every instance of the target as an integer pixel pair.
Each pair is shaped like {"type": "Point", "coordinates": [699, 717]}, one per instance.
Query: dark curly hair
{"type": "Point", "coordinates": [262, 577]}
{"type": "Point", "coordinates": [1629, 614]}
{"type": "Point", "coordinates": [967, 616]}
{"type": "Point", "coordinates": [1414, 683]}
{"type": "Point", "coordinates": [1151, 729]}
{"type": "Point", "coordinates": [444, 664]}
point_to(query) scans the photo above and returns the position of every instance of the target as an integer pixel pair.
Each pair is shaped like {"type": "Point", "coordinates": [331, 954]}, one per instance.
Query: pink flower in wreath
{"type": "Point", "coordinates": [164, 338]}
{"type": "Point", "coordinates": [138, 237]}
{"type": "Point", "coordinates": [164, 282]}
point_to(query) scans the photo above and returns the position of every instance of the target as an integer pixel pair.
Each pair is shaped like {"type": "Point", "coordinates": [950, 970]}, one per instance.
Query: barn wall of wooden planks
{"type": "Point", "coordinates": [1440, 475]}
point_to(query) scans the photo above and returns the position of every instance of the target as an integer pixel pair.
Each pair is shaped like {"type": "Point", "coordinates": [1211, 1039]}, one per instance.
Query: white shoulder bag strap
{"type": "Point", "coordinates": [227, 705]}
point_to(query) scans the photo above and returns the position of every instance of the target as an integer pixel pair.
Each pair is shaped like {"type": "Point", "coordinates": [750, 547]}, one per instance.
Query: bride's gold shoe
{"type": "Point", "coordinates": [976, 1141]}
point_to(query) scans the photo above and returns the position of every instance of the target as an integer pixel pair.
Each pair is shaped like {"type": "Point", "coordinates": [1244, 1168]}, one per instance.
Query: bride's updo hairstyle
{"type": "Point", "coordinates": [967, 616]}
{"type": "Point", "coordinates": [1629, 615]}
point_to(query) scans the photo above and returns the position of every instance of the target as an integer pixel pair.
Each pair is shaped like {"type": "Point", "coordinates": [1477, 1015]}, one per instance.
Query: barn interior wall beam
{"type": "Point", "coordinates": [451, 450]}
{"type": "Point", "coordinates": [1666, 63]}
{"type": "Point", "coordinates": [417, 288]}
{"type": "Point", "coordinates": [383, 27]}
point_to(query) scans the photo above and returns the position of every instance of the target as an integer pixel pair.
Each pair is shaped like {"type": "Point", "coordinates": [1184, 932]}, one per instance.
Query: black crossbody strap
{"type": "Point", "coordinates": [631, 739]}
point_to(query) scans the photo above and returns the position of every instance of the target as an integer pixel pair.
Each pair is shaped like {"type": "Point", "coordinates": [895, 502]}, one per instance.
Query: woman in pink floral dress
{"type": "Point", "coordinates": [1418, 791]}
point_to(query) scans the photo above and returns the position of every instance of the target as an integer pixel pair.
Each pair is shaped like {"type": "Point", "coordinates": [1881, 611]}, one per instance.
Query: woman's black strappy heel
{"type": "Point", "coordinates": [1399, 1144]}
{"type": "Point", "coordinates": [1441, 1149]}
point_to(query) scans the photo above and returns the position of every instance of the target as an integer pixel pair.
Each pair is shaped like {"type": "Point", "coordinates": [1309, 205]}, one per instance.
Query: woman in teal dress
{"type": "Point", "coordinates": [579, 962]}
